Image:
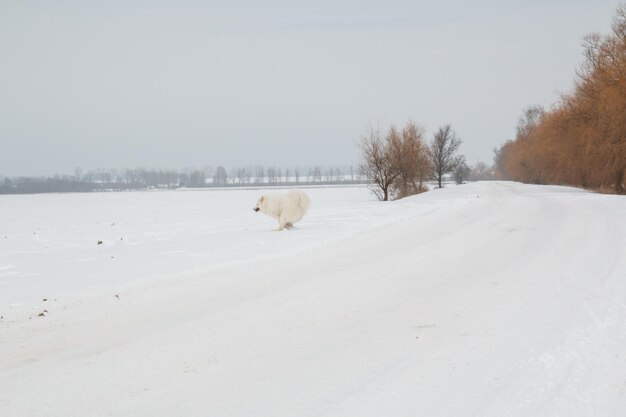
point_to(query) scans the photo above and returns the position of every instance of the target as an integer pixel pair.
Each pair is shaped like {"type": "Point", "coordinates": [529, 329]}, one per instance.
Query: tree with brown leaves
{"type": "Point", "coordinates": [582, 141]}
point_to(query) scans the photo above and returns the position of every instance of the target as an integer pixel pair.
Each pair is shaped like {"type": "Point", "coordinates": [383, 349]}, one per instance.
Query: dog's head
{"type": "Point", "coordinates": [259, 204]}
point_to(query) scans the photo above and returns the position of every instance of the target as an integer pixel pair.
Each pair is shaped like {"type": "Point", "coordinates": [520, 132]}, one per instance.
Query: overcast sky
{"type": "Point", "coordinates": [204, 83]}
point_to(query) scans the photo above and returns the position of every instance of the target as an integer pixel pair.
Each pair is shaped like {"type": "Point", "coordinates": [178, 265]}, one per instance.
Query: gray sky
{"type": "Point", "coordinates": [194, 83]}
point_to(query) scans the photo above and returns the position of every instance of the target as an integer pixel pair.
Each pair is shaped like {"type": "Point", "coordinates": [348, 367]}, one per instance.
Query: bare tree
{"type": "Point", "coordinates": [208, 171]}
{"type": "Point", "coordinates": [220, 178]}
{"type": "Point", "coordinates": [287, 175]}
{"type": "Point", "coordinates": [442, 152]}
{"type": "Point", "coordinates": [296, 174]}
{"type": "Point", "coordinates": [271, 175]}
{"type": "Point", "coordinates": [234, 174]}
{"type": "Point", "coordinates": [461, 170]}
{"type": "Point", "coordinates": [338, 174]}
{"type": "Point", "coordinates": [330, 174]}
{"type": "Point", "coordinates": [260, 174]}
{"type": "Point", "coordinates": [482, 172]}
{"type": "Point", "coordinates": [241, 175]}
{"type": "Point", "coordinates": [317, 173]}
{"type": "Point", "coordinates": [499, 161]}
{"type": "Point", "coordinates": [378, 164]}
{"type": "Point", "coordinates": [529, 121]}
{"type": "Point", "coordinates": [197, 178]}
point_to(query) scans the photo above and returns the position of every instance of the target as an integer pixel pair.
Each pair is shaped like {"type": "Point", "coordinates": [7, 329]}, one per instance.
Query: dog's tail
{"type": "Point", "coordinates": [303, 201]}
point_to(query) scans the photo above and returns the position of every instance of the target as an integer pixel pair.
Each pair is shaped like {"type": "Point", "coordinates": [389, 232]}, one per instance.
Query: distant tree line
{"type": "Point", "coordinates": [399, 162]}
{"type": "Point", "coordinates": [582, 140]}
{"type": "Point", "coordinates": [274, 175]}
{"type": "Point", "coordinates": [149, 178]}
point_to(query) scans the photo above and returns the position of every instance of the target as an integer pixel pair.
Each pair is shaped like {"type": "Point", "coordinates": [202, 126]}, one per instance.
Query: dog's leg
{"type": "Point", "coordinates": [283, 224]}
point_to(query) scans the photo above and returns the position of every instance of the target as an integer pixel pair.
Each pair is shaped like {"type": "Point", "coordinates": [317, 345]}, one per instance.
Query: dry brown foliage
{"type": "Point", "coordinates": [397, 163]}
{"type": "Point", "coordinates": [582, 141]}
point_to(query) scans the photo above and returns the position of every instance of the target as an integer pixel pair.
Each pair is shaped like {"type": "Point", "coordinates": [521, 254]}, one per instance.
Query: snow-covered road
{"type": "Point", "coordinates": [487, 299]}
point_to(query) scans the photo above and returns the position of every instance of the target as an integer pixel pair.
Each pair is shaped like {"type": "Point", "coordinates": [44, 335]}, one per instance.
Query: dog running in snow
{"type": "Point", "coordinates": [287, 208]}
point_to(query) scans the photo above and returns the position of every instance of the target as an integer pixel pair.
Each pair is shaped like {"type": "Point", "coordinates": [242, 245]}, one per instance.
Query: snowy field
{"type": "Point", "coordinates": [49, 242]}
{"type": "Point", "coordinates": [487, 299]}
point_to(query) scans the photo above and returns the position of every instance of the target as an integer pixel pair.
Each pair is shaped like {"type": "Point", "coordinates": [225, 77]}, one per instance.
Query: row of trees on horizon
{"type": "Point", "coordinates": [582, 140]}
{"type": "Point", "coordinates": [152, 178]}
{"type": "Point", "coordinates": [143, 178]}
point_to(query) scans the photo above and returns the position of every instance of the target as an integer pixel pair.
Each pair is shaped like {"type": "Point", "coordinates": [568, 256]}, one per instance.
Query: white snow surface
{"type": "Point", "coordinates": [486, 299]}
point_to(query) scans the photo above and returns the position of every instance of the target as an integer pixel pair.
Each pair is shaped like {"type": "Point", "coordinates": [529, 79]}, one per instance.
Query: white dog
{"type": "Point", "coordinates": [287, 208]}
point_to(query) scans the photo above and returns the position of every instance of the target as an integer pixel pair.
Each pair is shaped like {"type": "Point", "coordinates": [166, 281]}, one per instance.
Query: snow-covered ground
{"type": "Point", "coordinates": [487, 299]}
{"type": "Point", "coordinates": [49, 243]}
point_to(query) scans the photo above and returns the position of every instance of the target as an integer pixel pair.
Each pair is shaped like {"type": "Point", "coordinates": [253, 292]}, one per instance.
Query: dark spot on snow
{"type": "Point", "coordinates": [99, 242]}
{"type": "Point", "coordinates": [45, 299]}
{"type": "Point", "coordinates": [117, 296]}
{"type": "Point", "coordinates": [41, 314]}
